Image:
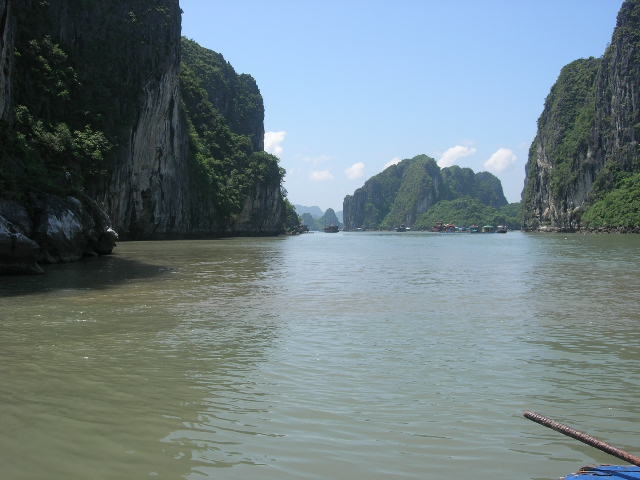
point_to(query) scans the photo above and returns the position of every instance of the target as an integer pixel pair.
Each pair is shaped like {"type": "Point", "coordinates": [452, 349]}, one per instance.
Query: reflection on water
{"type": "Point", "coordinates": [374, 355]}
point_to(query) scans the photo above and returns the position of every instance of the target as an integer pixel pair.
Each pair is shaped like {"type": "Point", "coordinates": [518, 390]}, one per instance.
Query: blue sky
{"type": "Point", "coordinates": [352, 85]}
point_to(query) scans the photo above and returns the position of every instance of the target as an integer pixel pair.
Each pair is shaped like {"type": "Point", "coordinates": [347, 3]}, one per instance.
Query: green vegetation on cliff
{"type": "Point", "coordinates": [588, 138]}
{"type": "Point", "coordinates": [226, 166]}
{"type": "Point", "coordinates": [420, 178]}
{"type": "Point", "coordinates": [236, 98]}
{"type": "Point", "coordinates": [50, 145]}
{"type": "Point", "coordinates": [71, 96]}
{"type": "Point", "coordinates": [292, 220]}
{"type": "Point", "coordinates": [618, 209]}
{"type": "Point", "coordinates": [566, 124]}
{"type": "Point", "coordinates": [407, 193]}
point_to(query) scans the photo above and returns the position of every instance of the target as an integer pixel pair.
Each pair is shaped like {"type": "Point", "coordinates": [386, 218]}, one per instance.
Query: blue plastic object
{"type": "Point", "coordinates": [607, 472]}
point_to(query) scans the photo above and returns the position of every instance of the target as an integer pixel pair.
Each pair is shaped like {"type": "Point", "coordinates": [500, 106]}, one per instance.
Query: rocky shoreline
{"type": "Point", "coordinates": [46, 229]}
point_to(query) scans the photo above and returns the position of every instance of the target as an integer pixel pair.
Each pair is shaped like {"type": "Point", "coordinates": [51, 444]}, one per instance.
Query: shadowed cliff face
{"type": "Point", "coordinates": [588, 133]}
{"type": "Point", "coordinates": [6, 58]}
{"type": "Point", "coordinates": [147, 193]}
{"type": "Point", "coordinates": [116, 67]}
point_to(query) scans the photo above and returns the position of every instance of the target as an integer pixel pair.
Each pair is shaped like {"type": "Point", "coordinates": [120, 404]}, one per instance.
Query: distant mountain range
{"type": "Point", "coordinates": [314, 211]}
{"type": "Point", "coordinates": [316, 219]}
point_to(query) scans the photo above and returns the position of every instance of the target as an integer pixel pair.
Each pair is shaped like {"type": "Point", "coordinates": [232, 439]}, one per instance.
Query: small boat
{"type": "Point", "coordinates": [488, 229]}
{"type": "Point", "coordinates": [331, 229]}
{"type": "Point", "coordinates": [474, 228]}
{"type": "Point", "coordinates": [501, 229]}
{"type": "Point", "coordinates": [443, 227]}
{"type": "Point", "coordinates": [611, 472]}
{"type": "Point", "coordinates": [402, 228]}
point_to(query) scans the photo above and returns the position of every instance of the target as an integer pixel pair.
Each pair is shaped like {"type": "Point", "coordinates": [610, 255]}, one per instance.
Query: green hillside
{"type": "Point", "coordinates": [417, 193]}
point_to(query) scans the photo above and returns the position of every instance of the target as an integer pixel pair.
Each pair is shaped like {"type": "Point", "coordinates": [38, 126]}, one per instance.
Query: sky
{"type": "Point", "coordinates": [352, 86]}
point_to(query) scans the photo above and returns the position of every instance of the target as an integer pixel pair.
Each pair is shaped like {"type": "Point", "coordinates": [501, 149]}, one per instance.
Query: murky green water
{"type": "Point", "coordinates": [344, 356]}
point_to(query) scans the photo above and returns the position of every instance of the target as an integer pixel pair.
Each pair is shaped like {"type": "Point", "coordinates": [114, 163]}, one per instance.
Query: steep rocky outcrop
{"type": "Point", "coordinates": [97, 105]}
{"type": "Point", "coordinates": [237, 185]}
{"type": "Point", "coordinates": [588, 134]}
{"type": "Point", "coordinates": [403, 192]}
{"type": "Point", "coordinates": [126, 56]}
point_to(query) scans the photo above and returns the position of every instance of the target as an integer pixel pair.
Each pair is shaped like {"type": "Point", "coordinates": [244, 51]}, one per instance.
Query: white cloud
{"type": "Point", "coordinates": [273, 142]}
{"type": "Point", "coordinates": [500, 160]}
{"type": "Point", "coordinates": [355, 171]}
{"type": "Point", "coordinates": [321, 175]}
{"type": "Point", "coordinates": [393, 161]}
{"type": "Point", "coordinates": [451, 155]}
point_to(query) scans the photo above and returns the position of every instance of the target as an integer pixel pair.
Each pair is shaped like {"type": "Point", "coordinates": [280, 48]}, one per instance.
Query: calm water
{"type": "Point", "coordinates": [342, 356]}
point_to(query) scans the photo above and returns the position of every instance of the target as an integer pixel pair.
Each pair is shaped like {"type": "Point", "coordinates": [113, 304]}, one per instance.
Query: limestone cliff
{"type": "Point", "coordinates": [589, 132]}
{"type": "Point", "coordinates": [97, 105]}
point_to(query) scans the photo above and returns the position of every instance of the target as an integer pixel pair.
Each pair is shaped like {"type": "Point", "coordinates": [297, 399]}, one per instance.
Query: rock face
{"type": "Point", "coordinates": [588, 132]}
{"type": "Point", "coordinates": [18, 253]}
{"type": "Point", "coordinates": [55, 230]}
{"type": "Point", "coordinates": [252, 219]}
{"type": "Point", "coordinates": [146, 194]}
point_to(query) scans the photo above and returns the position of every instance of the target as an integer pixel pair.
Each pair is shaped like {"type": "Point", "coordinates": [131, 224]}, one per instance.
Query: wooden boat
{"type": "Point", "coordinates": [331, 229]}
{"type": "Point", "coordinates": [501, 229]}
{"type": "Point", "coordinates": [611, 472]}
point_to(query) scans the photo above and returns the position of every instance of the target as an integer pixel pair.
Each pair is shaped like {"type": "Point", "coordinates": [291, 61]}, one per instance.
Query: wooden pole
{"type": "Point", "coordinates": [583, 437]}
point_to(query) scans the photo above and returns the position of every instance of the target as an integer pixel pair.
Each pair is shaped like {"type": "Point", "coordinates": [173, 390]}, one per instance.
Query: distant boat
{"type": "Point", "coordinates": [402, 228]}
{"type": "Point", "coordinates": [443, 227]}
{"type": "Point", "coordinates": [501, 229]}
{"type": "Point", "coordinates": [488, 229]}
{"type": "Point", "coordinates": [331, 229]}
{"type": "Point", "coordinates": [474, 229]}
